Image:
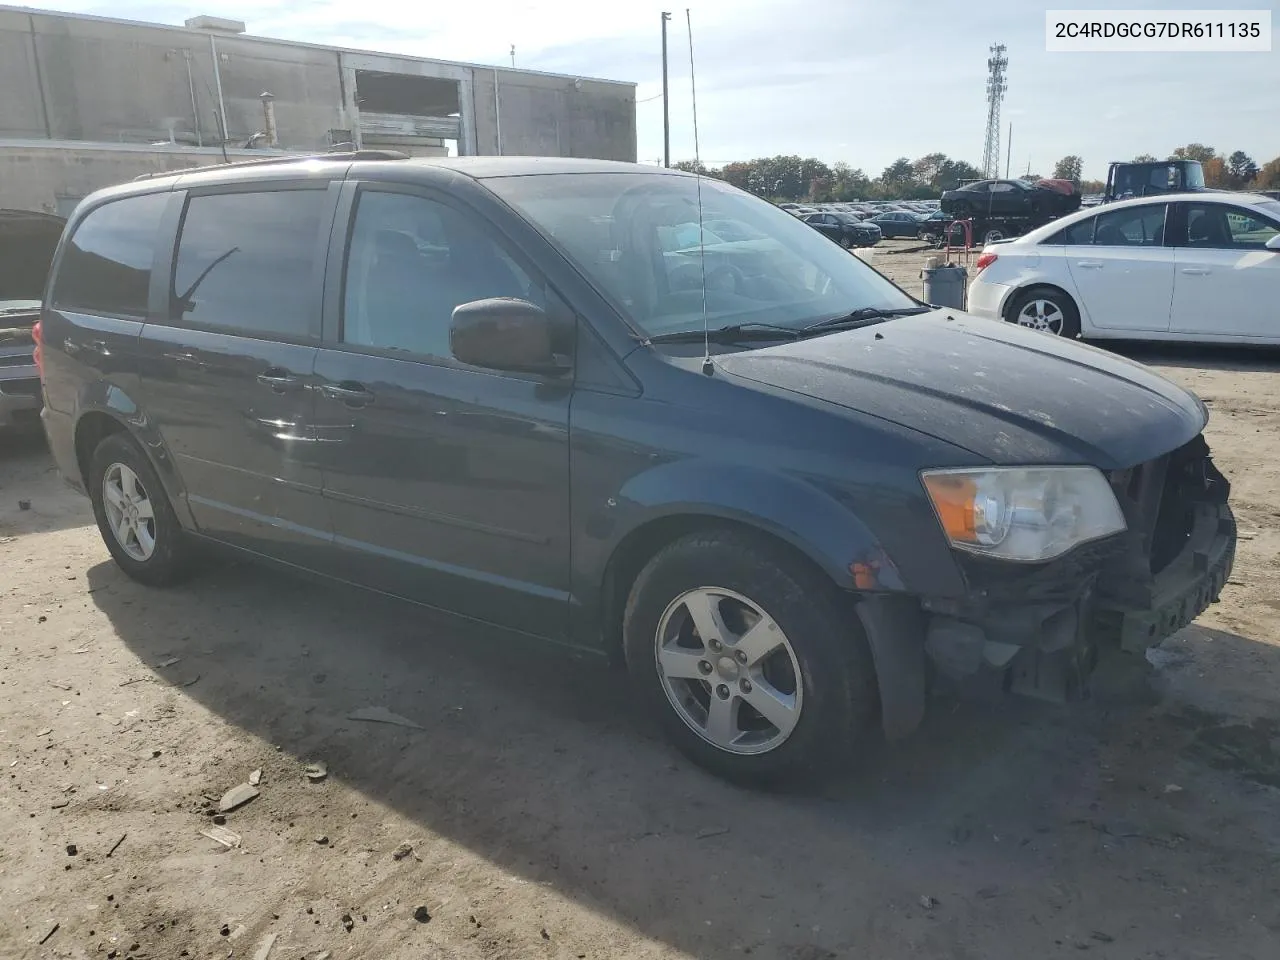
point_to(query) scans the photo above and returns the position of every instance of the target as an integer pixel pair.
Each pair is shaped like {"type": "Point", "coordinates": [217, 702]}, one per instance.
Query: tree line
{"type": "Point", "coordinates": [806, 178]}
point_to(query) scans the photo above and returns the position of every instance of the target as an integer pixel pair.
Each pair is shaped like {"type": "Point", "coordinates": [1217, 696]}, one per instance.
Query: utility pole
{"type": "Point", "coordinates": [1008, 157]}
{"type": "Point", "coordinates": [666, 105]}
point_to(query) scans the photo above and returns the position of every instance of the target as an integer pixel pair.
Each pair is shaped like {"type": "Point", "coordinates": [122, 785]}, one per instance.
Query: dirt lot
{"type": "Point", "coordinates": [545, 818]}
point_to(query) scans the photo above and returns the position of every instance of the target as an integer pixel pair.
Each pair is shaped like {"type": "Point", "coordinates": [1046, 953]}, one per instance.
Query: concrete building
{"type": "Point", "coordinates": [88, 101]}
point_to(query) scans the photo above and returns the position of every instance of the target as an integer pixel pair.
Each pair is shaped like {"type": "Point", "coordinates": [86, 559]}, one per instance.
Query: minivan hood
{"type": "Point", "coordinates": [1009, 395]}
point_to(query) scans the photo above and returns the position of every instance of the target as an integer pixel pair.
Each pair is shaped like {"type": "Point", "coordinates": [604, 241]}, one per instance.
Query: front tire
{"type": "Point", "coordinates": [748, 659]}
{"type": "Point", "coordinates": [134, 515]}
{"type": "Point", "coordinates": [1047, 310]}
{"type": "Point", "coordinates": [845, 241]}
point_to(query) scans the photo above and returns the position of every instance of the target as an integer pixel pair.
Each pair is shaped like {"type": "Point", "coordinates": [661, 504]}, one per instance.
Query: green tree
{"type": "Point", "coordinates": [1241, 169]}
{"type": "Point", "coordinates": [900, 173]}
{"type": "Point", "coordinates": [929, 167]}
{"type": "Point", "coordinates": [690, 166]}
{"type": "Point", "coordinates": [1194, 151]}
{"type": "Point", "coordinates": [1069, 167]}
{"type": "Point", "coordinates": [952, 172]}
{"type": "Point", "coordinates": [1144, 158]}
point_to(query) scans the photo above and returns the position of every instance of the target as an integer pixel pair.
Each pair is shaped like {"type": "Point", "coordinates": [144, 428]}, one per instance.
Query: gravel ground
{"type": "Point", "coordinates": [531, 813]}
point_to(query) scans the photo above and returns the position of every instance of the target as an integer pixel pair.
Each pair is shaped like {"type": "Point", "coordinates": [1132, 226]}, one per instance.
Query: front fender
{"type": "Point", "coordinates": [797, 512]}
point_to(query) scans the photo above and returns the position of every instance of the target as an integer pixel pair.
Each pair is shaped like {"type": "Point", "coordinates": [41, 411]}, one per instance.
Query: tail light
{"type": "Point", "coordinates": [37, 354]}
{"type": "Point", "coordinates": [986, 260]}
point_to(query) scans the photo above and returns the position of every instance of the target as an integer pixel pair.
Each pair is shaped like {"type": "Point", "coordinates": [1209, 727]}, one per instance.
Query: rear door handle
{"type": "Point", "coordinates": [278, 379]}
{"type": "Point", "coordinates": [349, 392]}
{"type": "Point", "coordinates": [1196, 271]}
{"type": "Point", "coordinates": [1089, 264]}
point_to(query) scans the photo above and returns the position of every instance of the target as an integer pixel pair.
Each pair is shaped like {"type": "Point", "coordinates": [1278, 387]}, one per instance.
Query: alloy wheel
{"type": "Point", "coordinates": [729, 671]}
{"type": "Point", "coordinates": [1043, 315]}
{"type": "Point", "coordinates": [130, 513]}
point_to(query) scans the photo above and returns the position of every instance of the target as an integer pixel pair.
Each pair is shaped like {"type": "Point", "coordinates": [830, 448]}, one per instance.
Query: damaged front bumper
{"type": "Point", "coordinates": [1042, 629]}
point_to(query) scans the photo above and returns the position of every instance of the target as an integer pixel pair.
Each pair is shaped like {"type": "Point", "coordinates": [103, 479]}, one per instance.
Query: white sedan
{"type": "Point", "coordinates": [1190, 266]}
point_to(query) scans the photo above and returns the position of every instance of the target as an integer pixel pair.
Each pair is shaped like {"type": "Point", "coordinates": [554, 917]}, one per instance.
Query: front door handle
{"type": "Point", "coordinates": [1196, 271]}
{"type": "Point", "coordinates": [349, 392]}
{"type": "Point", "coordinates": [278, 379]}
{"type": "Point", "coordinates": [1089, 264]}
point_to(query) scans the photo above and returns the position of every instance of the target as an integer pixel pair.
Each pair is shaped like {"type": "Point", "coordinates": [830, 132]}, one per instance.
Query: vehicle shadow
{"type": "Point", "coordinates": [944, 847]}
{"type": "Point", "coordinates": [33, 497]}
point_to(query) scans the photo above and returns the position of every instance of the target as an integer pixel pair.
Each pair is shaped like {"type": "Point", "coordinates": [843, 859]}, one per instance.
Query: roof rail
{"type": "Point", "coordinates": [349, 156]}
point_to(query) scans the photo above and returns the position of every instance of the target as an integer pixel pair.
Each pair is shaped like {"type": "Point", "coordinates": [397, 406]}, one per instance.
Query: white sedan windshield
{"type": "Point", "coordinates": [636, 236]}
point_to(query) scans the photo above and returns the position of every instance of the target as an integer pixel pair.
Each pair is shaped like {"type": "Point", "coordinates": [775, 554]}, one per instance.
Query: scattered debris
{"type": "Point", "coordinates": [264, 948]}
{"type": "Point", "coordinates": [928, 902]}
{"type": "Point", "coordinates": [8, 539]}
{"type": "Point", "coordinates": [71, 850]}
{"type": "Point", "coordinates": [323, 839]}
{"type": "Point", "coordinates": [255, 778]}
{"type": "Point", "coordinates": [1102, 937]}
{"type": "Point", "coordinates": [60, 804]}
{"type": "Point", "coordinates": [219, 819]}
{"type": "Point", "coordinates": [132, 680]}
{"type": "Point", "coordinates": [42, 619]}
{"type": "Point", "coordinates": [315, 772]}
{"type": "Point", "coordinates": [237, 796]}
{"type": "Point", "coordinates": [116, 846]}
{"type": "Point", "coordinates": [225, 931]}
{"type": "Point", "coordinates": [421, 914]}
{"type": "Point", "coordinates": [45, 732]}
{"type": "Point", "coordinates": [347, 923]}
{"type": "Point", "coordinates": [187, 683]}
{"type": "Point", "coordinates": [228, 838]}
{"type": "Point", "coordinates": [168, 662]}
{"type": "Point", "coordinates": [545, 934]}
{"type": "Point", "coordinates": [987, 893]}
{"type": "Point", "coordinates": [60, 684]}
{"type": "Point", "coordinates": [383, 715]}
{"type": "Point", "coordinates": [712, 832]}
{"type": "Point", "coordinates": [402, 851]}
{"type": "Point", "coordinates": [1172, 788]}
{"type": "Point", "coordinates": [52, 931]}
{"type": "Point", "coordinates": [24, 504]}
{"type": "Point", "coordinates": [322, 955]}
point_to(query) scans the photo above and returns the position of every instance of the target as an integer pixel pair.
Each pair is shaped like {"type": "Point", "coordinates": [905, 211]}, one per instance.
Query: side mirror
{"type": "Point", "coordinates": [1274, 243]}
{"type": "Point", "coordinates": [505, 334]}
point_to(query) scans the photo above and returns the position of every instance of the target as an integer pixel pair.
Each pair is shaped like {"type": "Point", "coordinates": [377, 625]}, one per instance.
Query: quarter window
{"type": "Point", "coordinates": [106, 266]}
{"type": "Point", "coordinates": [247, 261]}
{"type": "Point", "coordinates": [412, 261]}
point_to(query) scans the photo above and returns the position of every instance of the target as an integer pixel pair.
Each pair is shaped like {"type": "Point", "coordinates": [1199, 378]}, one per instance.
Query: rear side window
{"type": "Point", "coordinates": [1134, 227]}
{"type": "Point", "coordinates": [106, 266]}
{"type": "Point", "coordinates": [247, 262]}
{"type": "Point", "coordinates": [1075, 235]}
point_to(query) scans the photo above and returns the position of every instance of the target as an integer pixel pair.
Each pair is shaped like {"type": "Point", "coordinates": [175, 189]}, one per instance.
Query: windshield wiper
{"type": "Point", "coordinates": [863, 317]}
{"type": "Point", "coordinates": [734, 333]}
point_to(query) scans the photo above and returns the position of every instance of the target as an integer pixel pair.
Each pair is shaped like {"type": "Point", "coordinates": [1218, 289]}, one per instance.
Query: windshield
{"type": "Point", "coordinates": [635, 236]}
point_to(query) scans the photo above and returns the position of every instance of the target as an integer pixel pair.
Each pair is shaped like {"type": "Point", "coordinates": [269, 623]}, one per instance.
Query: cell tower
{"type": "Point", "coordinates": [996, 87]}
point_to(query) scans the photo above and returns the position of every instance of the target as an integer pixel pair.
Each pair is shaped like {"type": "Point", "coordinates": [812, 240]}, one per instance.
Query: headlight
{"type": "Point", "coordinates": [1023, 513]}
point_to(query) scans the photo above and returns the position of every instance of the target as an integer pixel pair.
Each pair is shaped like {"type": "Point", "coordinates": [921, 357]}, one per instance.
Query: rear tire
{"type": "Point", "coordinates": [845, 241]}
{"type": "Point", "coordinates": [134, 515]}
{"type": "Point", "coordinates": [1046, 309]}
{"type": "Point", "coordinates": [807, 665]}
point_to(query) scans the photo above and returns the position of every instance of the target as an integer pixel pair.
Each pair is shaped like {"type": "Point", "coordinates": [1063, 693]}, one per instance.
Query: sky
{"type": "Point", "coordinates": [863, 81]}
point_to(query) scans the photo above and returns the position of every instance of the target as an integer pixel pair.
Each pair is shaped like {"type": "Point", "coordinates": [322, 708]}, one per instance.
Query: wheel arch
{"type": "Point", "coordinates": [114, 412]}
{"type": "Point", "coordinates": [1016, 293]}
